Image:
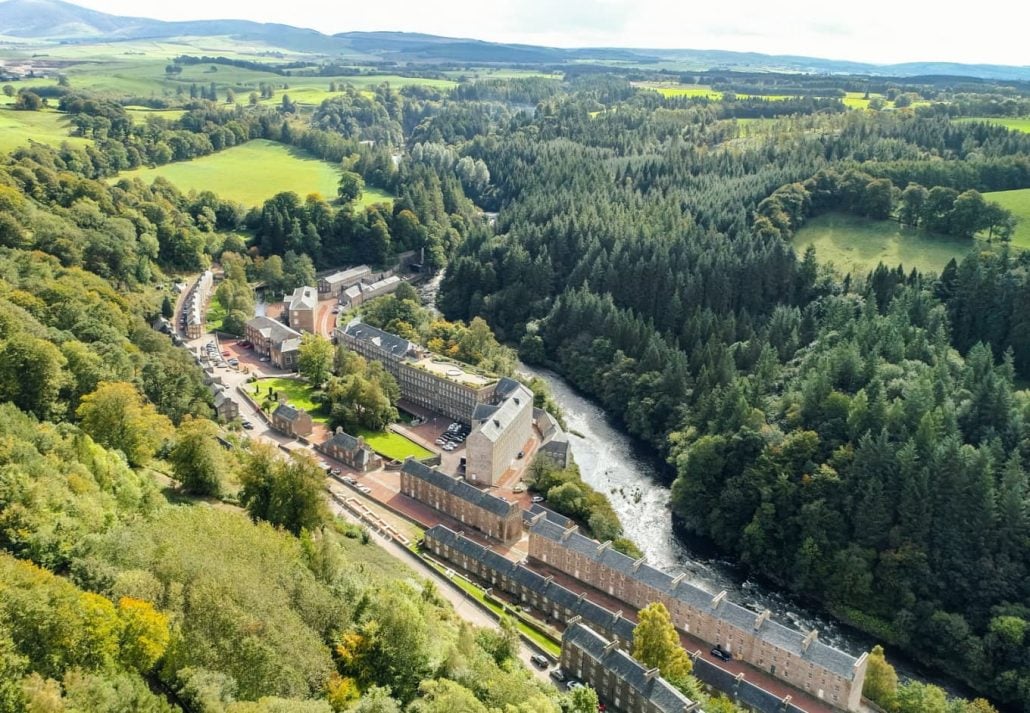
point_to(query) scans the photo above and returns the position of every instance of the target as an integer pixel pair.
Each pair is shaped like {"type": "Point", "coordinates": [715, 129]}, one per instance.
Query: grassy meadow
{"type": "Point", "coordinates": [1014, 123]}
{"type": "Point", "coordinates": [250, 173]}
{"type": "Point", "coordinates": [856, 245]}
{"type": "Point", "coordinates": [49, 126]}
{"type": "Point", "coordinates": [1019, 203]}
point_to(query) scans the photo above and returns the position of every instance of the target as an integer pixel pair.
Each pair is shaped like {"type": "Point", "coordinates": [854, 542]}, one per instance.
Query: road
{"type": "Point", "coordinates": [466, 608]}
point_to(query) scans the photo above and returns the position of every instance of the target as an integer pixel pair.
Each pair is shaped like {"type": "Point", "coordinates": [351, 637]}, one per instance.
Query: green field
{"type": "Point", "coordinates": [215, 316]}
{"type": "Point", "coordinates": [46, 127]}
{"type": "Point", "coordinates": [296, 392]}
{"type": "Point", "coordinates": [392, 445]}
{"type": "Point", "coordinates": [856, 244]}
{"type": "Point", "coordinates": [1014, 123]}
{"type": "Point", "coordinates": [682, 90]}
{"type": "Point", "coordinates": [1019, 203]}
{"type": "Point", "coordinates": [140, 114]}
{"type": "Point", "coordinates": [250, 173]}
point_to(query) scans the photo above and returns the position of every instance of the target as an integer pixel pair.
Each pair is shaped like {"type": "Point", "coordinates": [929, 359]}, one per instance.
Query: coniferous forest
{"type": "Point", "coordinates": [860, 439]}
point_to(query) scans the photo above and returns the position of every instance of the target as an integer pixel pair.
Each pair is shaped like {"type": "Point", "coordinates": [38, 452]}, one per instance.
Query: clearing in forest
{"type": "Point", "coordinates": [856, 244]}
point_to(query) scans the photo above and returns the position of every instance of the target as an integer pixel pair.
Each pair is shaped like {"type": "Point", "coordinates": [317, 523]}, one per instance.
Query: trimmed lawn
{"type": "Point", "coordinates": [856, 244]}
{"type": "Point", "coordinates": [1019, 203]}
{"type": "Point", "coordinates": [296, 391]}
{"type": "Point", "coordinates": [250, 173]}
{"type": "Point", "coordinates": [392, 445]}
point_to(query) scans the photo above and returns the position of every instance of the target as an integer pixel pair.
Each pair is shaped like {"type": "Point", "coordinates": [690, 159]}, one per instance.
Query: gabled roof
{"type": "Point", "coordinates": [652, 688]}
{"type": "Point", "coordinates": [792, 640]}
{"type": "Point", "coordinates": [391, 343]}
{"type": "Point", "coordinates": [302, 298]}
{"type": "Point", "coordinates": [272, 329]}
{"type": "Point", "coordinates": [287, 412]}
{"type": "Point", "coordinates": [290, 345]}
{"type": "Point", "coordinates": [353, 273]}
{"type": "Point", "coordinates": [516, 399]}
{"type": "Point", "coordinates": [343, 441]}
{"type": "Point", "coordinates": [459, 488]}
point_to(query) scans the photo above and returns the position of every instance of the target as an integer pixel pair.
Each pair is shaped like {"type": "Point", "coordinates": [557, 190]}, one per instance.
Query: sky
{"type": "Point", "coordinates": [878, 31]}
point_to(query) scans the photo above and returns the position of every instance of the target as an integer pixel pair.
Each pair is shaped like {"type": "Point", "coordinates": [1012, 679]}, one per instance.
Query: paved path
{"type": "Point", "coordinates": [465, 607]}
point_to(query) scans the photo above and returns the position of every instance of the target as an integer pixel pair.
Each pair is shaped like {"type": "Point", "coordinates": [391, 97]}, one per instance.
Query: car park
{"type": "Point", "coordinates": [540, 660]}
{"type": "Point", "coordinates": [719, 653]}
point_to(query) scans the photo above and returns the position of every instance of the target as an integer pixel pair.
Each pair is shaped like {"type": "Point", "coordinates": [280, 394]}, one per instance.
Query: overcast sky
{"type": "Point", "coordinates": [882, 31]}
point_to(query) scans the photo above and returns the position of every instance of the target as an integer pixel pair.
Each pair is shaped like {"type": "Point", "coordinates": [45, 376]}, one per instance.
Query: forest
{"type": "Point", "coordinates": [861, 440]}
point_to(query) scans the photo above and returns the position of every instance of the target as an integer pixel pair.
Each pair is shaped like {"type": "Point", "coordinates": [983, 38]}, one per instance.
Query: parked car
{"type": "Point", "coordinates": [365, 489]}
{"type": "Point", "coordinates": [558, 675]}
{"type": "Point", "coordinates": [349, 480]}
{"type": "Point", "coordinates": [248, 425]}
{"type": "Point", "coordinates": [335, 471]}
{"type": "Point", "coordinates": [449, 447]}
{"type": "Point", "coordinates": [440, 441]}
{"type": "Point", "coordinates": [719, 653]}
{"type": "Point", "coordinates": [540, 660]}
{"type": "Point", "coordinates": [521, 454]}
{"type": "Point", "coordinates": [574, 684]}
{"type": "Point", "coordinates": [519, 487]}
{"type": "Point", "coordinates": [234, 362]}
{"type": "Point", "coordinates": [336, 310]}
{"type": "Point", "coordinates": [537, 498]}
{"type": "Point", "coordinates": [226, 352]}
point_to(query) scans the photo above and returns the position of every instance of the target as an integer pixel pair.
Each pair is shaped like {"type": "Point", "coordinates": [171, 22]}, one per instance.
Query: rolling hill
{"type": "Point", "coordinates": [56, 20]}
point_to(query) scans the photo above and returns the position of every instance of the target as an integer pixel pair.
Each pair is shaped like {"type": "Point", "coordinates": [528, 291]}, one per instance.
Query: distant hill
{"type": "Point", "coordinates": [59, 20]}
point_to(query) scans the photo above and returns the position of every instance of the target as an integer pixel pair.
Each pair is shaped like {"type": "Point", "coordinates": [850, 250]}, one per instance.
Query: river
{"type": "Point", "coordinates": [611, 462]}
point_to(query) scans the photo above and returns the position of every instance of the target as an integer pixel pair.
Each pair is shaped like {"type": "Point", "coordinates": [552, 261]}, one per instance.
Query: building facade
{"type": "Point", "coordinates": [367, 290]}
{"type": "Point", "coordinates": [500, 431]}
{"type": "Point", "coordinates": [622, 683]}
{"type": "Point", "coordinates": [352, 452]}
{"type": "Point", "coordinates": [542, 595]}
{"type": "Point", "coordinates": [431, 382]}
{"type": "Point", "coordinates": [285, 354]}
{"type": "Point", "coordinates": [300, 308]}
{"type": "Point", "coordinates": [796, 657]}
{"type": "Point", "coordinates": [194, 306]}
{"type": "Point", "coordinates": [491, 515]}
{"type": "Point", "coordinates": [225, 408]}
{"type": "Point", "coordinates": [291, 421]}
{"type": "Point", "coordinates": [332, 285]}
{"type": "Point", "coordinates": [267, 334]}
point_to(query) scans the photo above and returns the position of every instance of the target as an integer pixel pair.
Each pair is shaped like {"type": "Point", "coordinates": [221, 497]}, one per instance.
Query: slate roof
{"type": "Point", "coordinates": [456, 486]}
{"type": "Point", "coordinates": [792, 640]}
{"type": "Point", "coordinates": [354, 273]}
{"type": "Point", "coordinates": [272, 329]}
{"type": "Point", "coordinates": [555, 593]}
{"type": "Point", "coordinates": [655, 689]}
{"type": "Point", "coordinates": [390, 343]}
{"type": "Point", "coordinates": [290, 345]}
{"type": "Point", "coordinates": [286, 412]}
{"type": "Point", "coordinates": [483, 411]}
{"type": "Point", "coordinates": [494, 425]}
{"type": "Point", "coordinates": [303, 298]}
{"type": "Point", "coordinates": [537, 508]}
{"type": "Point", "coordinates": [344, 441]}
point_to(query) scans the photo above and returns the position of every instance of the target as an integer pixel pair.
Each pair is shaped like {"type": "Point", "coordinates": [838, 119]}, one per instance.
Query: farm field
{"type": "Point", "coordinates": [1019, 203]}
{"type": "Point", "coordinates": [46, 127]}
{"type": "Point", "coordinates": [140, 114]}
{"type": "Point", "coordinates": [682, 90]}
{"type": "Point", "coordinates": [250, 173]}
{"type": "Point", "coordinates": [1014, 123]}
{"type": "Point", "coordinates": [856, 245]}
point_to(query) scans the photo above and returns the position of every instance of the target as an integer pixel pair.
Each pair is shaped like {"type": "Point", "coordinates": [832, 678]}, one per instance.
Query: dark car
{"type": "Point", "coordinates": [718, 653]}
{"type": "Point", "coordinates": [540, 660]}
{"type": "Point", "coordinates": [248, 425]}
{"type": "Point", "coordinates": [558, 675]}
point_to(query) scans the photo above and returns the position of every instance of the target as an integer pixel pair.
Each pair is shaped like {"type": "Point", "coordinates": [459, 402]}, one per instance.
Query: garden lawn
{"type": "Point", "coordinates": [1019, 203]}
{"type": "Point", "coordinates": [392, 445]}
{"type": "Point", "coordinates": [856, 244]}
{"type": "Point", "coordinates": [250, 173]}
{"type": "Point", "coordinates": [296, 391]}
